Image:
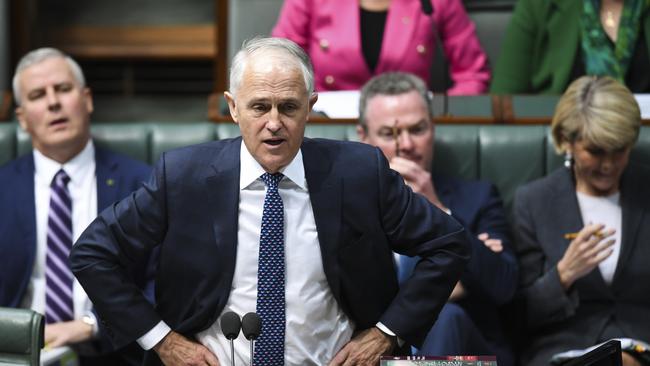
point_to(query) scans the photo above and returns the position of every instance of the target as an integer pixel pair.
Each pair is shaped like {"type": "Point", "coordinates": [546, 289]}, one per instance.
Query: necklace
{"type": "Point", "coordinates": [609, 19]}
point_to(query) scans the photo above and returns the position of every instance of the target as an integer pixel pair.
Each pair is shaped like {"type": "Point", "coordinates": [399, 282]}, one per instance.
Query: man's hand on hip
{"type": "Point", "coordinates": [364, 349]}
{"type": "Point", "coordinates": [175, 349]}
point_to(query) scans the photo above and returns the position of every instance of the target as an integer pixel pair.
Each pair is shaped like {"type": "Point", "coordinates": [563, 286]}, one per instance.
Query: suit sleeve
{"type": "Point", "coordinates": [544, 299]}
{"type": "Point", "coordinates": [468, 63]}
{"type": "Point", "coordinates": [514, 67]}
{"type": "Point", "coordinates": [417, 228]}
{"type": "Point", "coordinates": [107, 255]}
{"type": "Point", "coordinates": [492, 275]}
{"type": "Point", "coordinates": [294, 22]}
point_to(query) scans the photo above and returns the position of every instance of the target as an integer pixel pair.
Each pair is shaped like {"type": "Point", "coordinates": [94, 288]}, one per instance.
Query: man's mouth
{"type": "Point", "coordinates": [58, 121]}
{"type": "Point", "coordinates": [274, 142]}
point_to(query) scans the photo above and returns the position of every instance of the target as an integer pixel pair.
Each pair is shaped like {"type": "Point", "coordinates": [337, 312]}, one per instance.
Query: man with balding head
{"type": "Point", "coordinates": [51, 194]}
{"type": "Point", "coordinates": [299, 230]}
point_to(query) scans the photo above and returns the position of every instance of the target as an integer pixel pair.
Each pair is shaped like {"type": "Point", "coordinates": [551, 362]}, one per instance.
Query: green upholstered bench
{"type": "Point", "coordinates": [21, 336]}
{"type": "Point", "coordinates": [503, 154]}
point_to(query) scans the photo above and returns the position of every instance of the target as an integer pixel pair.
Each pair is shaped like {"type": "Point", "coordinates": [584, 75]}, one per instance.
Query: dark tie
{"type": "Point", "coordinates": [58, 278]}
{"type": "Point", "coordinates": [269, 349]}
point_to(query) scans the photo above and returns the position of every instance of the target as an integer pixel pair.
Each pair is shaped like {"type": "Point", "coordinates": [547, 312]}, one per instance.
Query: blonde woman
{"type": "Point", "coordinates": [582, 231]}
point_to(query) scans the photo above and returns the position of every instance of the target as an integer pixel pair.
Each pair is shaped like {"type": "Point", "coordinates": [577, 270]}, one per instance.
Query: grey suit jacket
{"type": "Point", "coordinates": [591, 311]}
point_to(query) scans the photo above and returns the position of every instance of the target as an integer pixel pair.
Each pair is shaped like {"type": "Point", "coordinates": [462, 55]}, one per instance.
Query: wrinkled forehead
{"type": "Point", "coordinates": [274, 74]}
{"type": "Point", "coordinates": [53, 70]}
{"type": "Point", "coordinates": [403, 110]}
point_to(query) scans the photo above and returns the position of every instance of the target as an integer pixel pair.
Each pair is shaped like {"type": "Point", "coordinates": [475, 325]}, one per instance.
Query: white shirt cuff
{"type": "Point", "coordinates": [383, 328]}
{"type": "Point", "coordinates": [155, 335]}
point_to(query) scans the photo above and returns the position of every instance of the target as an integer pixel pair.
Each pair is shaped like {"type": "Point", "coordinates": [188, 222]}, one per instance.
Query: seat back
{"type": "Point", "coordinates": [21, 336]}
{"type": "Point", "coordinates": [507, 155]}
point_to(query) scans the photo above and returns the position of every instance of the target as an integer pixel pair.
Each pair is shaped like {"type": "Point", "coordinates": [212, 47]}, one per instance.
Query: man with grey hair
{"type": "Point", "coordinates": [395, 115]}
{"type": "Point", "coordinates": [299, 230]}
{"type": "Point", "coordinates": [50, 195]}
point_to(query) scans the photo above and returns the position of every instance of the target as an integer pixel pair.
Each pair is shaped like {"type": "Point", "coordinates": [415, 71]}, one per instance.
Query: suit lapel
{"type": "Point", "coordinates": [444, 190]}
{"type": "Point", "coordinates": [222, 194]}
{"type": "Point", "coordinates": [345, 15]}
{"type": "Point", "coordinates": [402, 21]}
{"type": "Point", "coordinates": [325, 191]}
{"type": "Point", "coordinates": [563, 32]}
{"type": "Point", "coordinates": [26, 205]}
{"type": "Point", "coordinates": [569, 220]}
{"type": "Point", "coordinates": [632, 197]}
{"type": "Point", "coordinates": [108, 183]}
{"type": "Point", "coordinates": [26, 211]}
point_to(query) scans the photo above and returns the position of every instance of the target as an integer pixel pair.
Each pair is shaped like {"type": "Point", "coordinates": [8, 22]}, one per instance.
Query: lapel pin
{"type": "Point", "coordinates": [110, 182]}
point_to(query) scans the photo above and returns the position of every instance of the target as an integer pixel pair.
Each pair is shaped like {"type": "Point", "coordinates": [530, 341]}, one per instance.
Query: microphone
{"type": "Point", "coordinates": [251, 325]}
{"type": "Point", "coordinates": [426, 7]}
{"type": "Point", "coordinates": [230, 326]}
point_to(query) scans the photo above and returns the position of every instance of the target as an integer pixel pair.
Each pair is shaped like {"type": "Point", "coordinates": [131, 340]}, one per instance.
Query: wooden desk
{"type": "Point", "coordinates": [5, 105]}
{"type": "Point", "coordinates": [169, 42]}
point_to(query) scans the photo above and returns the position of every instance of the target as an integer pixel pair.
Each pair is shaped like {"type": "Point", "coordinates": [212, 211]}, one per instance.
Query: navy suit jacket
{"type": "Point", "coordinates": [117, 176]}
{"type": "Point", "coordinates": [490, 278]}
{"type": "Point", "coordinates": [189, 209]}
{"type": "Point", "coordinates": [591, 311]}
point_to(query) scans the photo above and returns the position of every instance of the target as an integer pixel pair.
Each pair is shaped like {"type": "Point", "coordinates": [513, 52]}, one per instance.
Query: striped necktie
{"type": "Point", "coordinates": [58, 278]}
{"type": "Point", "coordinates": [269, 348]}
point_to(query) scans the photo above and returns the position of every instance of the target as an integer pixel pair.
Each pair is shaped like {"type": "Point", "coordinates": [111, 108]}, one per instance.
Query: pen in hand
{"type": "Point", "coordinates": [571, 236]}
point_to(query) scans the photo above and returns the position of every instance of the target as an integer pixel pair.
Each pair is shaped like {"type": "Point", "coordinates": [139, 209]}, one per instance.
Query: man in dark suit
{"type": "Point", "coordinates": [395, 115]}
{"type": "Point", "coordinates": [40, 219]}
{"type": "Point", "coordinates": [299, 230]}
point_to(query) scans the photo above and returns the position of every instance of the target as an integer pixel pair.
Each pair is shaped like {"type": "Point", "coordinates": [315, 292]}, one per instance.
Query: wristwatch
{"type": "Point", "coordinates": [90, 319]}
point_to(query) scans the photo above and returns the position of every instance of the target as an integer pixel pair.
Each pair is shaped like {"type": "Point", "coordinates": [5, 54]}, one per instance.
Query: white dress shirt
{"type": "Point", "coordinates": [83, 192]}
{"type": "Point", "coordinates": [316, 327]}
{"type": "Point", "coordinates": [606, 211]}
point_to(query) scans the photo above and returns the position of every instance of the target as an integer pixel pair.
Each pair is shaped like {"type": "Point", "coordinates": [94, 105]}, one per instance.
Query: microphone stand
{"type": "Point", "coordinates": [232, 352]}
{"type": "Point", "coordinates": [252, 350]}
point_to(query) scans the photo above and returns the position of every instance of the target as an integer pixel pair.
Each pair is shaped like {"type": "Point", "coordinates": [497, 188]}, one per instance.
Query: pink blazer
{"type": "Point", "coordinates": [329, 31]}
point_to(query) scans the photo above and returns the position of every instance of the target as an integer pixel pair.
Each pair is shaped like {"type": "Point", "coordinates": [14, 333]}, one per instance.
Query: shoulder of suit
{"type": "Point", "coordinates": [22, 162]}
{"type": "Point", "coordinates": [337, 145]}
{"type": "Point", "coordinates": [209, 146]}
{"type": "Point", "coordinates": [540, 187]}
{"type": "Point", "coordinates": [121, 161]}
{"type": "Point", "coordinates": [469, 185]}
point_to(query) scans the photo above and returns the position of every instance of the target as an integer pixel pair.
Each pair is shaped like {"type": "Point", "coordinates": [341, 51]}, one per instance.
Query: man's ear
{"type": "Point", "coordinates": [361, 133]}
{"type": "Point", "coordinates": [312, 100]}
{"type": "Point", "coordinates": [88, 96]}
{"type": "Point", "coordinates": [20, 114]}
{"type": "Point", "coordinates": [232, 106]}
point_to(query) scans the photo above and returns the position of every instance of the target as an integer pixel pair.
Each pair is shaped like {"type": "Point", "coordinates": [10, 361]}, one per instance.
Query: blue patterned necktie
{"type": "Point", "coordinates": [58, 278]}
{"type": "Point", "coordinates": [269, 348]}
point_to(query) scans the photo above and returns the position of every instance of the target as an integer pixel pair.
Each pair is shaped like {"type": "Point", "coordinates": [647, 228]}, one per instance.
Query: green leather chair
{"type": "Point", "coordinates": [507, 155]}
{"type": "Point", "coordinates": [21, 337]}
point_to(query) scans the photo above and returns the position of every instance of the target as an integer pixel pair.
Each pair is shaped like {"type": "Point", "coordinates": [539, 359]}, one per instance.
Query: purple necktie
{"type": "Point", "coordinates": [58, 278]}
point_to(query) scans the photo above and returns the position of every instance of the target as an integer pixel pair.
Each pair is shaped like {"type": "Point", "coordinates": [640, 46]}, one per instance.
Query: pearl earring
{"type": "Point", "coordinates": [568, 159]}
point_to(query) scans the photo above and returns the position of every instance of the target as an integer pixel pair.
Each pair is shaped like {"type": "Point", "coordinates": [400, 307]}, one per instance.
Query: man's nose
{"type": "Point", "coordinates": [405, 141]}
{"type": "Point", "coordinates": [53, 102]}
{"type": "Point", "coordinates": [274, 124]}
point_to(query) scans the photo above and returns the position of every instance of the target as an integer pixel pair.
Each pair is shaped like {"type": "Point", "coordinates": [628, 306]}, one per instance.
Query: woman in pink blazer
{"type": "Point", "coordinates": [344, 39]}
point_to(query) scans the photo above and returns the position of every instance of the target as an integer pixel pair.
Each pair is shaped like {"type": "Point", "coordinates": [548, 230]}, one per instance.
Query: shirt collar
{"type": "Point", "coordinates": [251, 170]}
{"type": "Point", "coordinates": [76, 168]}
